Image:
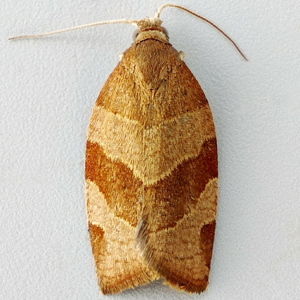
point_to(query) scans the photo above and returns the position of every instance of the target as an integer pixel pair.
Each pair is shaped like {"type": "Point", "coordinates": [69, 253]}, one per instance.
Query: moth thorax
{"type": "Point", "coordinates": [150, 28]}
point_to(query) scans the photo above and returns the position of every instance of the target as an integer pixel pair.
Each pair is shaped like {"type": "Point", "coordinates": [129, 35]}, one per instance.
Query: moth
{"type": "Point", "coordinates": [151, 167]}
{"type": "Point", "coordinates": [152, 170]}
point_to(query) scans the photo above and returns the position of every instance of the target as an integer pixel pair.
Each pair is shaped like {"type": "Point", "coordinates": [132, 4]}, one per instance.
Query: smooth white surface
{"type": "Point", "coordinates": [48, 89]}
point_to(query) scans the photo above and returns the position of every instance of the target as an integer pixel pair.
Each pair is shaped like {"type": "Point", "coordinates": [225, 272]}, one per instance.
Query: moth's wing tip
{"type": "Point", "coordinates": [187, 287]}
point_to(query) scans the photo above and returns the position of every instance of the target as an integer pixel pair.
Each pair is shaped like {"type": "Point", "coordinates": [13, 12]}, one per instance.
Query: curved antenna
{"type": "Point", "coordinates": [160, 9]}
{"type": "Point", "coordinates": [134, 22]}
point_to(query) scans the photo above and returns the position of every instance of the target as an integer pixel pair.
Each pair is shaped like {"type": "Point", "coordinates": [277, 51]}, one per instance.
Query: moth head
{"type": "Point", "coordinates": [150, 28]}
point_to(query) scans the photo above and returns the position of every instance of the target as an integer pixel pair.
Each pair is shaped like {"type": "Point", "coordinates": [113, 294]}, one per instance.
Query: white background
{"type": "Point", "coordinates": [48, 89]}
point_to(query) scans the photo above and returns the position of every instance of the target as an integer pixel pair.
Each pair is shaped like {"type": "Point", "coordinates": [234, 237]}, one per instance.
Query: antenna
{"type": "Point", "coordinates": [134, 22]}
{"type": "Point", "coordinates": [160, 9]}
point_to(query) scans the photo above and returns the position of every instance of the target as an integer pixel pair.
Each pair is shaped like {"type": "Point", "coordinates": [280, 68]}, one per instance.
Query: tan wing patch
{"type": "Point", "coordinates": [115, 248]}
{"type": "Point", "coordinates": [151, 153]}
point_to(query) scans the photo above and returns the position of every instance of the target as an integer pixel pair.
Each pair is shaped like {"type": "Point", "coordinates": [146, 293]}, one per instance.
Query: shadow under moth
{"type": "Point", "coordinates": [151, 167]}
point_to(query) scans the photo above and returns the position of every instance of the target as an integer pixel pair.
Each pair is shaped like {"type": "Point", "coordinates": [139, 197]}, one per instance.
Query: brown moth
{"type": "Point", "coordinates": [151, 167]}
{"type": "Point", "coordinates": [152, 170]}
